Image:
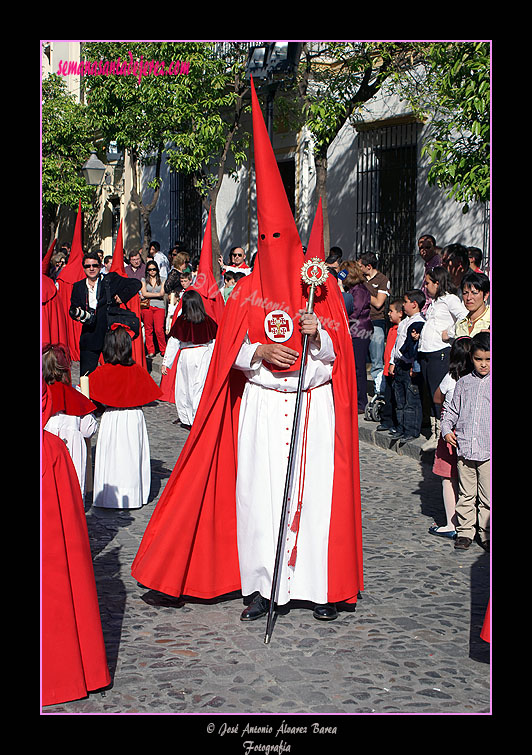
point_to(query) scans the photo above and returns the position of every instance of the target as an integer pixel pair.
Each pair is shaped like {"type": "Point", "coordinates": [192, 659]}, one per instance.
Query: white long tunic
{"type": "Point", "coordinates": [74, 430]}
{"type": "Point", "coordinates": [122, 474]}
{"type": "Point", "coordinates": [191, 373]}
{"type": "Point", "coordinates": [265, 427]}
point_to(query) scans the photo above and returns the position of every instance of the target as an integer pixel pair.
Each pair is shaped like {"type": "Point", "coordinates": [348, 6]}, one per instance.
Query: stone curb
{"type": "Point", "coordinates": [369, 434]}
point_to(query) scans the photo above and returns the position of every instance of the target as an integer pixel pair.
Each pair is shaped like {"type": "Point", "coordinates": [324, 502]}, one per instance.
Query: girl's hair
{"type": "Point", "coordinates": [55, 364]}
{"type": "Point", "coordinates": [192, 307]}
{"type": "Point", "coordinates": [480, 342]}
{"type": "Point", "coordinates": [460, 362]}
{"type": "Point", "coordinates": [151, 263]}
{"type": "Point", "coordinates": [354, 274]}
{"type": "Point", "coordinates": [118, 348]}
{"type": "Point", "coordinates": [440, 276]}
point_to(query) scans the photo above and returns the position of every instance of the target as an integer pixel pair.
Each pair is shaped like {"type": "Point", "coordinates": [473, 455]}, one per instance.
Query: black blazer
{"type": "Point", "coordinates": [93, 334]}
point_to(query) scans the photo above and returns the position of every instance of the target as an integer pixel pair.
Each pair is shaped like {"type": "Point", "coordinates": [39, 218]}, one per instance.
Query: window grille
{"type": "Point", "coordinates": [385, 200]}
{"type": "Point", "coordinates": [185, 213]}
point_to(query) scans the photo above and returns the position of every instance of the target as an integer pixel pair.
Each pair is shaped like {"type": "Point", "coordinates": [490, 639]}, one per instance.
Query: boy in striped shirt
{"type": "Point", "coordinates": [466, 426]}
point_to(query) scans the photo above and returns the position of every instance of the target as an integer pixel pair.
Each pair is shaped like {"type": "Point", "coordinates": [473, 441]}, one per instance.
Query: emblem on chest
{"type": "Point", "coordinates": [278, 326]}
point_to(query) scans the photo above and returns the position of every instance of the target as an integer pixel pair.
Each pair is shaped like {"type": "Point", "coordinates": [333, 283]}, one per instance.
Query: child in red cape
{"type": "Point", "coordinates": [191, 341]}
{"type": "Point", "coordinates": [122, 475]}
{"type": "Point", "coordinates": [72, 416]}
{"type": "Point", "coordinates": [72, 646]}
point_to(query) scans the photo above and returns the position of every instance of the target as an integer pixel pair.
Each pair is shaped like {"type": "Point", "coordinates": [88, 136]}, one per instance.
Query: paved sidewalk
{"type": "Point", "coordinates": [412, 645]}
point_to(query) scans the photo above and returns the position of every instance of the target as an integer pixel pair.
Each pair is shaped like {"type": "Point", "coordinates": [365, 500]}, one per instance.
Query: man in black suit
{"type": "Point", "coordinates": [88, 305]}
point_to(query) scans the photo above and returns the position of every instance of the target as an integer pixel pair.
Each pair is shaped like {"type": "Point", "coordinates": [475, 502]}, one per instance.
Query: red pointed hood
{"type": "Point", "coordinates": [117, 265]}
{"type": "Point", "coordinates": [277, 271]}
{"type": "Point", "coordinates": [47, 257]}
{"type": "Point", "coordinates": [205, 283]}
{"type": "Point", "coordinates": [73, 270]}
{"type": "Point", "coordinates": [316, 247]}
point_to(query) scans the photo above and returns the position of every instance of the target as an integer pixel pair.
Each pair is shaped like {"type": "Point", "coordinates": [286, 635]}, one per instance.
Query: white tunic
{"type": "Point", "coordinates": [191, 373]}
{"type": "Point", "coordinates": [74, 430]}
{"type": "Point", "coordinates": [122, 474]}
{"type": "Point", "coordinates": [265, 427]}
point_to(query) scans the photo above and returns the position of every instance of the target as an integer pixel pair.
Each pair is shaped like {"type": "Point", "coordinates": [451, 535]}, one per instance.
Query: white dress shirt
{"type": "Point", "coordinates": [442, 313]}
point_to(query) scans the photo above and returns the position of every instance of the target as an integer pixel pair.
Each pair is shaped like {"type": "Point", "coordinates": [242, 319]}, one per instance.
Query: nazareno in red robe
{"type": "Point", "coordinates": [54, 319]}
{"type": "Point", "coordinates": [189, 547]}
{"type": "Point", "coordinates": [73, 657]}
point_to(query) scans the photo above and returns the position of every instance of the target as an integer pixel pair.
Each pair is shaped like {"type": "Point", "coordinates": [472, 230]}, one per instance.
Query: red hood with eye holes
{"type": "Point", "coordinates": [277, 269]}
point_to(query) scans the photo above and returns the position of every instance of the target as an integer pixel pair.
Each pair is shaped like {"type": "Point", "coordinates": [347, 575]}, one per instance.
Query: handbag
{"type": "Point", "coordinates": [117, 314]}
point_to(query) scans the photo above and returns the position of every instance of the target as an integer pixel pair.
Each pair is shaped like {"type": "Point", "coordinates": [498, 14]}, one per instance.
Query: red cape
{"type": "Point", "coordinates": [122, 387]}
{"type": "Point", "coordinates": [190, 545]}
{"type": "Point", "coordinates": [65, 398]}
{"type": "Point", "coordinates": [54, 320]}
{"type": "Point", "coordinates": [73, 651]}
{"type": "Point", "coordinates": [189, 332]}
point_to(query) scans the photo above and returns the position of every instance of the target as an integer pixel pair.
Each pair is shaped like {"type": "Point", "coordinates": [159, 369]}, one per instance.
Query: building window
{"type": "Point", "coordinates": [385, 200]}
{"type": "Point", "coordinates": [185, 213]}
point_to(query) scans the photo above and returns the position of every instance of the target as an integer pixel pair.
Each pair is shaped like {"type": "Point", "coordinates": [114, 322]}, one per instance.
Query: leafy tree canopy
{"type": "Point", "coordinates": [185, 114]}
{"type": "Point", "coordinates": [67, 138]}
{"type": "Point", "coordinates": [454, 91]}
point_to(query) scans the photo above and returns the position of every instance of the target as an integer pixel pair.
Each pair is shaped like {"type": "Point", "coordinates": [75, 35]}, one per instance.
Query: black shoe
{"type": "Point", "coordinates": [395, 433]}
{"type": "Point", "coordinates": [258, 607]}
{"type": "Point", "coordinates": [462, 543]}
{"type": "Point", "coordinates": [407, 439]}
{"type": "Point", "coordinates": [382, 428]}
{"type": "Point", "coordinates": [325, 612]}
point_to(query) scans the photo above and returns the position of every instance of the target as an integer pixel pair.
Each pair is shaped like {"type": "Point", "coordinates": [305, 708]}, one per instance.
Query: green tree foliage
{"type": "Point", "coordinates": [210, 126]}
{"type": "Point", "coordinates": [192, 117]}
{"type": "Point", "coordinates": [454, 92]}
{"type": "Point", "coordinates": [135, 102]}
{"type": "Point", "coordinates": [67, 138]}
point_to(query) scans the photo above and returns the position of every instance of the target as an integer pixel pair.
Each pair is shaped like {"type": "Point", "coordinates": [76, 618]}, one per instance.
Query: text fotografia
{"type": "Point", "coordinates": [120, 67]}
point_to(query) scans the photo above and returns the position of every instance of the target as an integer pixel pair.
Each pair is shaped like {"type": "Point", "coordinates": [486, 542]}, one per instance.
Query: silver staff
{"type": "Point", "coordinates": [314, 272]}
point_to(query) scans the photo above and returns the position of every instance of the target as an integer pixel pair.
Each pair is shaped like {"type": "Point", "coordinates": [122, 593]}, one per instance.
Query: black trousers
{"type": "Point", "coordinates": [408, 404]}
{"type": "Point", "coordinates": [434, 367]}
{"type": "Point", "coordinates": [88, 361]}
{"type": "Point", "coordinates": [388, 416]}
